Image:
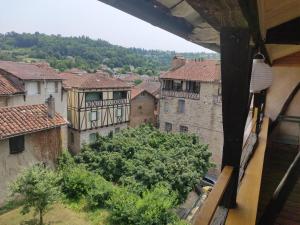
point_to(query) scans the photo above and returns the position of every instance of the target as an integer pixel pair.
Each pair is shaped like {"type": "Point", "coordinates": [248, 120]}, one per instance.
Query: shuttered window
{"type": "Point", "coordinates": [93, 116]}
{"type": "Point", "coordinates": [50, 87]}
{"type": "Point", "coordinates": [16, 144]}
{"type": "Point", "coordinates": [32, 88]}
{"type": "Point", "coordinates": [181, 106]}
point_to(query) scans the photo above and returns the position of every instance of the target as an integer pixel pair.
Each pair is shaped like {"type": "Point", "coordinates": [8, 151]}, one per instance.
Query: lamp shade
{"type": "Point", "coordinates": [261, 77]}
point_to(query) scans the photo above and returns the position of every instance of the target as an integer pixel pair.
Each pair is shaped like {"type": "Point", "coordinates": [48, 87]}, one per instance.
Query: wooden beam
{"type": "Point", "coordinates": [286, 33]}
{"type": "Point", "coordinates": [207, 211]}
{"type": "Point", "coordinates": [250, 11]}
{"type": "Point", "coordinates": [220, 13]}
{"type": "Point", "coordinates": [282, 192]}
{"type": "Point", "coordinates": [236, 64]}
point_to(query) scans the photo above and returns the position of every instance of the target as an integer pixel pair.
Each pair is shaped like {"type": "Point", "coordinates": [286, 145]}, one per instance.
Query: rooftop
{"type": "Point", "coordinates": [91, 81]}
{"type": "Point", "coordinates": [152, 87]}
{"type": "Point", "coordinates": [29, 71]}
{"type": "Point", "coordinates": [26, 119]}
{"type": "Point", "coordinates": [7, 87]}
{"type": "Point", "coordinates": [195, 70]}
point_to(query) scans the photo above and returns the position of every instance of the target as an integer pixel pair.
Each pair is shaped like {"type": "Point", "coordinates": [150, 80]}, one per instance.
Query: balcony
{"type": "Point", "coordinates": [180, 94]}
{"type": "Point", "coordinates": [251, 170]}
{"type": "Point", "coordinates": [104, 103]}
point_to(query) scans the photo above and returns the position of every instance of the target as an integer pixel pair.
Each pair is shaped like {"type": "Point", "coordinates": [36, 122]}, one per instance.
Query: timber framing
{"type": "Point", "coordinates": [235, 50]}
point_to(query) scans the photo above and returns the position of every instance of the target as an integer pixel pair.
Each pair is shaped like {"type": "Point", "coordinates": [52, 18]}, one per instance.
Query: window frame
{"type": "Point", "coordinates": [91, 116]}
{"type": "Point", "coordinates": [183, 129]}
{"type": "Point", "coordinates": [99, 93]}
{"type": "Point", "coordinates": [170, 127]}
{"type": "Point", "coordinates": [181, 107]}
{"type": "Point", "coordinates": [120, 95]}
{"type": "Point", "coordinates": [90, 139]}
{"type": "Point", "coordinates": [21, 141]}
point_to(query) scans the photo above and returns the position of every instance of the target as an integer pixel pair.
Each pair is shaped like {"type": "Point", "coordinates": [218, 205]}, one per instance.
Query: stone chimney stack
{"type": "Point", "coordinates": [51, 106]}
{"type": "Point", "coordinates": [177, 62]}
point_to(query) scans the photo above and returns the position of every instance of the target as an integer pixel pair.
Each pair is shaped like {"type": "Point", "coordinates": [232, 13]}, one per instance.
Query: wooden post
{"type": "Point", "coordinates": [236, 65]}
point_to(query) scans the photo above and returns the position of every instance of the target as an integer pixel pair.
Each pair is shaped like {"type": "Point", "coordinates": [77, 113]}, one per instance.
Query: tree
{"type": "Point", "coordinates": [39, 188]}
{"type": "Point", "coordinates": [143, 157]}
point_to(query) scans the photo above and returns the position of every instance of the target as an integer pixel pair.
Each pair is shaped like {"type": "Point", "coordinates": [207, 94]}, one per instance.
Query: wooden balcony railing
{"type": "Point", "coordinates": [248, 193]}
{"type": "Point", "coordinates": [108, 102]}
{"type": "Point", "coordinates": [180, 94]}
{"type": "Point", "coordinates": [207, 211]}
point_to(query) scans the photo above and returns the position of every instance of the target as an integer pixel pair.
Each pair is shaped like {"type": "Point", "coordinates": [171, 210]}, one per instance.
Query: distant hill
{"type": "Point", "coordinates": [85, 53]}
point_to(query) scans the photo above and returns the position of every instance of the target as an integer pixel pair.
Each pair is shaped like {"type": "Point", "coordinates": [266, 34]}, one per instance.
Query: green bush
{"type": "Point", "coordinates": [99, 193]}
{"type": "Point", "coordinates": [153, 208]}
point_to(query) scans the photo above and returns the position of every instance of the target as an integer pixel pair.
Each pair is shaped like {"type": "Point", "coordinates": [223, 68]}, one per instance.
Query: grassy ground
{"type": "Point", "coordinates": [58, 215]}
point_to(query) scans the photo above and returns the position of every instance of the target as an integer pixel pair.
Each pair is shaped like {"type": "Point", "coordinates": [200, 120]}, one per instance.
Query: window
{"type": "Point", "coordinates": [93, 96]}
{"type": "Point", "coordinates": [72, 138]}
{"type": "Point", "coordinates": [16, 144]}
{"type": "Point", "coordinates": [183, 129]}
{"type": "Point", "coordinates": [92, 138]}
{"type": "Point", "coordinates": [181, 106]}
{"type": "Point", "coordinates": [178, 85]}
{"type": "Point", "coordinates": [93, 116]}
{"type": "Point", "coordinates": [166, 107]}
{"type": "Point", "coordinates": [52, 87]}
{"type": "Point", "coordinates": [193, 86]}
{"type": "Point", "coordinates": [220, 91]}
{"type": "Point", "coordinates": [33, 88]}
{"type": "Point", "coordinates": [119, 94]}
{"type": "Point", "coordinates": [168, 127]}
{"type": "Point", "coordinates": [168, 85]}
{"type": "Point", "coordinates": [119, 112]}
{"type": "Point", "coordinates": [117, 129]}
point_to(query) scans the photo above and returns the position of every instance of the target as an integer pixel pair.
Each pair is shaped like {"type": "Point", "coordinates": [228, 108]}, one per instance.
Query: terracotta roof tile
{"type": "Point", "coordinates": [151, 86]}
{"type": "Point", "coordinates": [29, 71]}
{"type": "Point", "coordinates": [26, 119]}
{"type": "Point", "coordinates": [91, 81]}
{"type": "Point", "coordinates": [207, 71]}
{"type": "Point", "coordinates": [135, 91]}
{"type": "Point", "coordinates": [7, 87]}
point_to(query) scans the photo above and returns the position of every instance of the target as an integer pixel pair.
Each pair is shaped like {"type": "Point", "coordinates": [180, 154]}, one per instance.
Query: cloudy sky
{"type": "Point", "coordinates": [87, 17]}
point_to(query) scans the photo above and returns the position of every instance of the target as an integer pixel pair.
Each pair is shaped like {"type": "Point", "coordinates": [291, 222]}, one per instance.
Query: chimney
{"type": "Point", "coordinates": [178, 61]}
{"type": "Point", "coordinates": [51, 106]}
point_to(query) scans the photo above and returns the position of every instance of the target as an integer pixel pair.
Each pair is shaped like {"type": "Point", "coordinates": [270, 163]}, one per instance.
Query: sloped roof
{"type": "Point", "coordinates": [135, 91]}
{"type": "Point", "coordinates": [91, 81]}
{"type": "Point", "coordinates": [26, 119]}
{"type": "Point", "coordinates": [29, 71]}
{"type": "Point", "coordinates": [7, 87]}
{"type": "Point", "coordinates": [152, 87]}
{"type": "Point", "coordinates": [194, 70]}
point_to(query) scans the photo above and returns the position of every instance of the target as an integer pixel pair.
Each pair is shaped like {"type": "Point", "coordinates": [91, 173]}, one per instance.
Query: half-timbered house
{"type": "Point", "coordinates": [97, 104]}
{"type": "Point", "coordinates": [260, 179]}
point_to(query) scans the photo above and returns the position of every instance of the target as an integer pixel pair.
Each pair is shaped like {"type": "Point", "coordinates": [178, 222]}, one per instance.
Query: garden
{"type": "Point", "coordinates": [135, 177]}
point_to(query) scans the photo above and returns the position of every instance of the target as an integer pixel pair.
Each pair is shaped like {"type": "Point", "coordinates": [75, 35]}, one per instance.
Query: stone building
{"type": "Point", "coordinates": [143, 107]}
{"type": "Point", "coordinates": [190, 101]}
{"type": "Point", "coordinates": [30, 130]}
{"type": "Point", "coordinates": [97, 104]}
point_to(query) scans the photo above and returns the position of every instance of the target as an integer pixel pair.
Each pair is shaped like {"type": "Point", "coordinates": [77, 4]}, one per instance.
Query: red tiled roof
{"type": "Point", "coordinates": [7, 87]}
{"type": "Point", "coordinates": [26, 119]}
{"type": "Point", "coordinates": [207, 71]}
{"type": "Point", "coordinates": [91, 81]}
{"type": "Point", "coordinates": [135, 91]}
{"type": "Point", "coordinates": [29, 71]}
{"type": "Point", "coordinates": [151, 86]}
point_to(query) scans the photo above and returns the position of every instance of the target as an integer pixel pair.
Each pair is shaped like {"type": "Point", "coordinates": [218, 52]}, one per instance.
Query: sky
{"type": "Point", "coordinates": [90, 18]}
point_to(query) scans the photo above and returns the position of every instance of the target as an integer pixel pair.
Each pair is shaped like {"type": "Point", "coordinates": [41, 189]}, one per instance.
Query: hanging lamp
{"type": "Point", "coordinates": [261, 76]}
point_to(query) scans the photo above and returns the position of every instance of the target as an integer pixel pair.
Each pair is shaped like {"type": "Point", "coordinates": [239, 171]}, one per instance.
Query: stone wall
{"type": "Point", "coordinates": [44, 146]}
{"type": "Point", "coordinates": [202, 117]}
{"type": "Point", "coordinates": [82, 137]}
{"type": "Point", "coordinates": [142, 109]}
